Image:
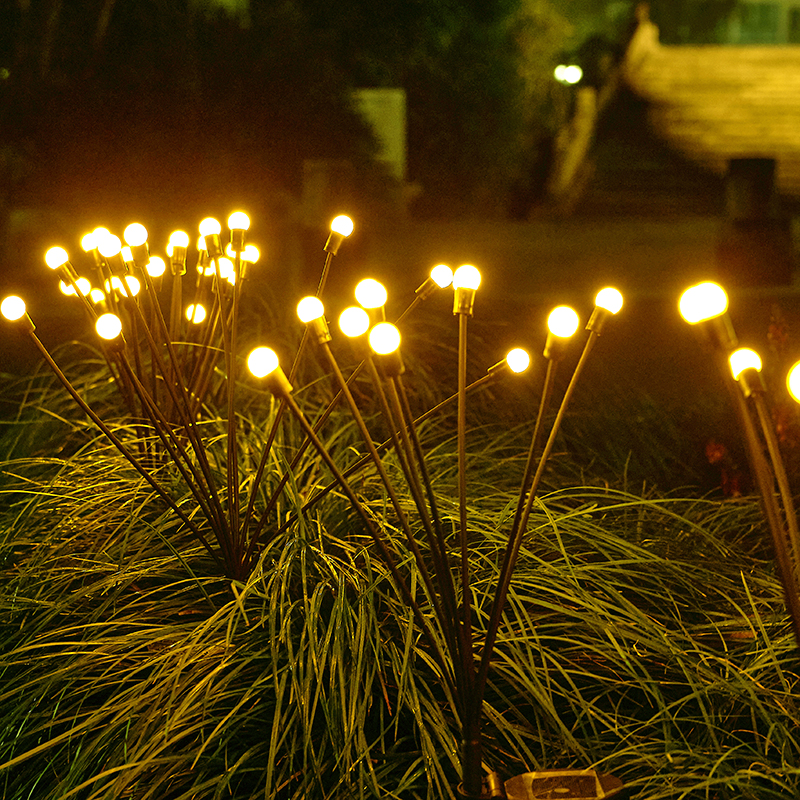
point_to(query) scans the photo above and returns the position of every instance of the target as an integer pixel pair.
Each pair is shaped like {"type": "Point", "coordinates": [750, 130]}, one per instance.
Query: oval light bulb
{"type": "Point", "coordinates": [134, 285]}
{"type": "Point", "coordinates": [156, 267]}
{"type": "Point", "coordinates": [179, 239]}
{"type": "Point", "coordinates": [703, 301]}
{"type": "Point", "coordinates": [442, 275]}
{"type": "Point", "coordinates": [371, 293]}
{"type": "Point", "coordinates": [12, 308]}
{"type": "Point", "coordinates": [262, 361]}
{"type": "Point", "coordinates": [354, 321]}
{"type": "Point", "coordinates": [210, 226]}
{"type": "Point", "coordinates": [98, 234]}
{"type": "Point", "coordinates": [793, 381]}
{"type": "Point", "coordinates": [310, 308]}
{"type": "Point", "coordinates": [108, 326]}
{"type": "Point", "coordinates": [109, 246]}
{"type": "Point", "coordinates": [88, 242]}
{"type": "Point", "coordinates": [135, 234]}
{"type": "Point", "coordinates": [610, 299]}
{"type": "Point", "coordinates": [342, 225]}
{"type": "Point", "coordinates": [742, 359]}
{"type": "Point", "coordinates": [195, 313]}
{"type": "Point", "coordinates": [56, 257]}
{"type": "Point", "coordinates": [466, 277]}
{"type": "Point", "coordinates": [238, 221]}
{"type": "Point", "coordinates": [518, 360]}
{"type": "Point", "coordinates": [225, 266]}
{"type": "Point", "coordinates": [97, 296]}
{"type": "Point", "coordinates": [384, 338]}
{"type": "Point", "coordinates": [66, 288]}
{"type": "Point", "coordinates": [250, 254]}
{"type": "Point", "coordinates": [563, 321]}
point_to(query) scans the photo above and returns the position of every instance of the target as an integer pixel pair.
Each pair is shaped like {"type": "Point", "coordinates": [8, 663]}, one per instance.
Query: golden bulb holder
{"type": "Point", "coordinates": [334, 242]}
{"type": "Point", "coordinates": [237, 240]}
{"type": "Point", "coordinates": [426, 288]}
{"type": "Point", "coordinates": [141, 254]}
{"type": "Point", "coordinates": [278, 383]}
{"type": "Point", "coordinates": [751, 382]}
{"type": "Point", "coordinates": [214, 245]}
{"type": "Point", "coordinates": [598, 319]}
{"type": "Point", "coordinates": [555, 346]}
{"type": "Point", "coordinates": [177, 260]}
{"type": "Point", "coordinates": [463, 300]}
{"type": "Point", "coordinates": [319, 327]}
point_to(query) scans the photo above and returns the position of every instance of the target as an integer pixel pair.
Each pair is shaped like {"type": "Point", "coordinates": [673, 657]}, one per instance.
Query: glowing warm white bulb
{"type": "Point", "coordinates": [56, 257]}
{"type": "Point", "coordinates": [703, 301]}
{"type": "Point", "coordinates": [310, 308]}
{"type": "Point", "coordinates": [742, 359]}
{"type": "Point", "coordinates": [384, 338]}
{"type": "Point", "coordinates": [12, 308]}
{"type": "Point", "coordinates": [115, 284]}
{"type": "Point", "coordinates": [229, 251]}
{"type": "Point", "coordinates": [108, 326]}
{"type": "Point", "coordinates": [371, 293]}
{"type": "Point", "coordinates": [354, 321]}
{"type": "Point", "coordinates": [210, 226]}
{"type": "Point", "coordinates": [88, 242]}
{"type": "Point", "coordinates": [250, 254]}
{"type": "Point", "coordinates": [792, 381]}
{"type": "Point", "coordinates": [466, 277]}
{"type": "Point", "coordinates": [98, 234]}
{"type": "Point", "coordinates": [134, 285]}
{"type": "Point", "coordinates": [225, 266]}
{"type": "Point", "coordinates": [442, 275]}
{"type": "Point", "coordinates": [109, 246]}
{"type": "Point", "coordinates": [97, 296]}
{"type": "Point", "coordinates": [66, 288]}
{"type": "Point", "coordinates": [518, 360]}
{"type": "Point", "coordinates": [238, 221]}
{"type": "Point", "coordinates": [563, 321]}
{"type": "Point", "coordinates": [195, 313]}
{"type": "Point", "coordinates": [156, 267]}
{"type": "Point", "coordinates": [610, 299]}
{"type": "Point", "coordinates": [262, 361]}
{"type": "Point", "coordinates": [135, 234]}
{"type": "Point", "coordinates": [342, 225]}
{"type": "Point", "coordinates": [178, 239]}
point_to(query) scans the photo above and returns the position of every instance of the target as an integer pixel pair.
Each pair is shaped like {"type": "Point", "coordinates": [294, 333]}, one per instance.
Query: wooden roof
{"type": "Point", "coordinates": [717, 102]}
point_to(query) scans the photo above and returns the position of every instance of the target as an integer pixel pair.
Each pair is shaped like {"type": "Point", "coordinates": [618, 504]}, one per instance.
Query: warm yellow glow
{"type": "Point", "coordinates": [178, 239]}
{"type": "Point", "coordinates": [742, 359]}
{"type": "Point", "coordinates": [209, 226]}
{"type": "Point", "coordinates": [442, 275]}
{"type": "Point", "coordinates": [703, 301]}
{"type": "Point", "coordinates": [201, 243]}
{"type": "Point", "coordinates": [12, 308]}
{"type": "Point", "coordinates": [97, 295]}
{"type": "Point", "coordinates": [56, 257]}
{"type": "Point", "coordinates": [238, 221]}
{"type": "Point", "coordinates": [610, 299]}
{"type": "Point", "coordinates": [109, 246]}
{"type": "Point", "coordinates": [568, 73]}
{"type": "Point", "coordinates": [134, 285]}
{"type": "Point", "coordinates": [195, 313]}
{"type": "Point", "coordinates": [384, 338]}
{"type": "Point", "coordinates": [115, 284]}
{"type": "Point", "coordinates": [354, 321]}
{"type": "Point", "coordinates": [135, 234]}
{"type": "Point", "coordinates": [98, 234]}
{"type": "Point", "coordinates": [66, 288]}
{"type": "Point", "coordinates": [518, 360]}
{"type": "Point", "coordinates": [262, 361]}
{"type": "Point", "coordinates": [127, 255]}
{"type": "Point", "coordinates": [250, 254]}
{"type": "Point", "coordinates": [229, 251]}
{"type": "Point", "coordinates": [792, 381]}
{"type": "Point", "coordinates": [563, 321]}
{"type": "Point", "coordinates": [225, 267]}
{"type": "Point", "coordinates": [342, 225]}
{"type": "Point", "coordinates": [466, 277]}
{"type": "Point", "coordinates": [371, 293]}
{"type": "Point", "coordinates": [156, 267]}
{"type": "Point", "coordinates": [84, 287]}
{"type": "Point", "coordinates": [310, 308]}
{"type": "Point", "coordinates": [108, 326]}
{"type": "Point", "coordinates": [88, 242]}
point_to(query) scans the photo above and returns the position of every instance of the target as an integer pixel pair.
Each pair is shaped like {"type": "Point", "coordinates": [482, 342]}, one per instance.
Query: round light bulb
{"type": "Point", "coordinates": [134, 285]}
{"type": "Point", "coordinates": [371, 293]}
{"type": "Point", "coordinates": [178, 239]}
{"type": "Point", "coordinates": [195, 313]}
{"type": "Point", "coordinates": [210, 226]}
{"type": "Point", "coordinates": [56, 257]}
{"type": "Point", "coordinates": [135, 234]}
{"type": "Point", "coordinates": [127, 254]}
{"type": "Point", "coordinates": [88, 242]}
{"type": "Point", "coordinates": [98, 234]}
{"type": "Point", "coordinates": [703, 301]}
{"type": "Point", "coordinates": [12, 308]}
{"type": "Point", "coordinates": [115, 284]}
{"type": "Point", "coordinates": [109, 246]}
{"type": "Point", "coordinates": [518, 360]}
{"type": "Point", "coordinates": [238, 221]}
{"type": "Point", "coordinates": [66, 288]}
{"type": "Point", "coordinates": [225, 266]}
{"type": "Point", "coordinates": [610, 299]}
{"type": "Point", "coordinates": [563, 321]}
{"type": "Point", "coordinates": [384, 338]}
{"type": "Point", "coordinates": [342, 225]}
{"type": "Point", "coordinates": [229, 251]}
{"type": "Point", "coordinates": [97, 296]}
{"type": "Point", "coordinates": [442, 275]}
{"type": "Point", "coordinates": [156, 267]}
{"type": "Point", "coordinates": [250, 254]}
{"type": "Point", "coordinates": [354, 321]}
{"type": "Point", "coordinates": [742, 359]}
{"type": "Point", "coordinates": [466, 277]}
{"type": "Point", "coordinates": [792, 381]}
{"type": "Point", "coordinates": [108, 326]}
{"type": "Point", "coordinates": [310, 308]}
{"type": "Point", "coordinates": [262, 361]}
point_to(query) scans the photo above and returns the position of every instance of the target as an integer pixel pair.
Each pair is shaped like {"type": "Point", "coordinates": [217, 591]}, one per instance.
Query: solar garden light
{"type": "Point", "coordinates": [371, 296]}
{"type": "Point", "coordinates": [706, 304]}
{"type": "Point", "coordinates": [341, 228]}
